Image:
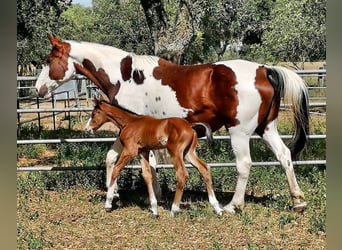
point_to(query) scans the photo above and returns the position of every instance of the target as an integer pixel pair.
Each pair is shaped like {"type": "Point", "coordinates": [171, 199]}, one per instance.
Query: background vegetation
{"type": "Point", "coordinates": [180, 30]}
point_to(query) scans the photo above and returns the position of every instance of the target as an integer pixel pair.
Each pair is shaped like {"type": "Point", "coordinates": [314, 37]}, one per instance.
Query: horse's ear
{"type": "Point", "coordinates": [54, 40]}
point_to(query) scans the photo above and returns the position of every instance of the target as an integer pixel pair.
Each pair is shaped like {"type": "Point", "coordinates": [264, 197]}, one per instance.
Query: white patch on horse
{"type": "Point", "coordinates": [151, 97]}
{"type": "Point", "coordinates": [248, 95]}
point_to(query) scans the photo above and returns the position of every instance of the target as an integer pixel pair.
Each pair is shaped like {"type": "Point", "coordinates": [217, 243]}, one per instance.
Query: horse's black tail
{"type": "Point", "coordinates": [198, 126]}
{"type": "Point", "coordinates": [294, 91]}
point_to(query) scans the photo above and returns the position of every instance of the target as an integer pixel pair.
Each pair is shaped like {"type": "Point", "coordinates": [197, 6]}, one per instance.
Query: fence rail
{"type": "Point", "coordinates": [321, 85]}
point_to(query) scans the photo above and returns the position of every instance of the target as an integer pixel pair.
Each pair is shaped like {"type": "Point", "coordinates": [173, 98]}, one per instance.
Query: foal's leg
{"type": "Point", "coordinates": [283, 155]}
{"type": "Point", "coordinates": [204, 170]}
{"type": "Point", "coordinates": [182, 177]}
{"type": "Point", "coordinates": [148, 177]}
{"type": "Point", "coordinates": [124, 158]}
{"type": "Point", "coordinates": [240, 145]}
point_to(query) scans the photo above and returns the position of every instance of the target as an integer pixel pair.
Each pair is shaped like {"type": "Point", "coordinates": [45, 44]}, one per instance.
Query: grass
{"type": "Point", "coordinates": [65, 210]}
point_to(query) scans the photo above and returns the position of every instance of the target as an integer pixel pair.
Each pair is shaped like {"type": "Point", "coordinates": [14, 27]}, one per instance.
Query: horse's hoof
{"type": "Point", "coordinates": [220, 213]}
{"type": "Point", "coordinates": [108, 209]}
{"type": "Point", "coordinates": [156, 216]}
{"type": "Point", "coordinates": [229, 209]}
{"type": "Point", "coordinates": [299, 208]}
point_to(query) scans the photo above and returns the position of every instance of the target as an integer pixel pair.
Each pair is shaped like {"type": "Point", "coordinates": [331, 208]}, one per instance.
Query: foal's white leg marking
{"type": "Point", "coordinates": [192, 158]}
{"type": "Point", "coordinates": [240, 145]}
{"type": "Point", "coordinates": [283, 155]}
{"type": "Point", "coordinates": [111, 158]}
{"type": "Point", "coordinates": [174, 209]}
{"type": "Point", "coordinates": [214, 202]}
{"type": "Point", "coordinates": [111, 193]}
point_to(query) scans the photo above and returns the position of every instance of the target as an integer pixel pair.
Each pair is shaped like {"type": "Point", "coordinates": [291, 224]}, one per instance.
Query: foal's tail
{"type": "Point", "coordinates": [293, 89]}
{"type": "Point", "coordinates": [208, 131]}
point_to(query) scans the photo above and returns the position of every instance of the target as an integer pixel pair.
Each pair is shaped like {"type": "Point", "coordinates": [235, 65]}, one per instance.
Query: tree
{"type": "Point", "coordinates": [80, 24]}
{"type": "Point", "coordinates": [35, 20]}
{"type": "Point", "coordinates": [296, 31]}
{"type": "Point", "coordinates": [122, 24]}
{"type": "Point", "coordinates": [173, 25]}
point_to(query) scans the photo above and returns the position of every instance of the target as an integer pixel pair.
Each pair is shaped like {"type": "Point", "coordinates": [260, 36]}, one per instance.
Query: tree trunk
{"type": "Point", "coordinates": [171, 38]}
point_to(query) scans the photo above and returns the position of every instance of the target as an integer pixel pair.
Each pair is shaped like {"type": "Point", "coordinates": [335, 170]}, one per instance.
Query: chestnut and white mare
{"type": "Point", "coordinates": [139, 134]}
{"type": "Point", "coordinates": [242, 96]}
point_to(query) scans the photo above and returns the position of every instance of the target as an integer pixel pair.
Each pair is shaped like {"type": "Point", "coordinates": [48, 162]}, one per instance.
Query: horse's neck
{"type": "Point", "coordinates": [119, 116]}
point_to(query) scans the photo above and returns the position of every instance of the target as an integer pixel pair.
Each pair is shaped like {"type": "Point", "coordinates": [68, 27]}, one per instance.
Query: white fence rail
{"type": "Point", "coordinates": [321, 78]}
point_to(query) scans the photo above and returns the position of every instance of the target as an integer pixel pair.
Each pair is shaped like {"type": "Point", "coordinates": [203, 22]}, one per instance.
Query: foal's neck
{"type": "Point", "coordinates": [118, 115]}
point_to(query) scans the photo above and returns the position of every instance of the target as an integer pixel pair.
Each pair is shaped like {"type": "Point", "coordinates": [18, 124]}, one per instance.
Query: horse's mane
{"type": "Point", "coordinates": [138, 60]}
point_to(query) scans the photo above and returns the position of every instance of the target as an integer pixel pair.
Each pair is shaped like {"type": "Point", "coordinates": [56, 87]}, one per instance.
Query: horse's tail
{"type": "Point", "coordinates": [294, 91]}
{"type": "Point", "coordinates": [208, 131]}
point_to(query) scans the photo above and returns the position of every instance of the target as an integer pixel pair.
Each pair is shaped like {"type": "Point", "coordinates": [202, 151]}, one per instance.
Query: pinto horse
{"type": "Point", "coordinates": [242, 96]}
{"type": "Point", "coordinates": [139, 134]}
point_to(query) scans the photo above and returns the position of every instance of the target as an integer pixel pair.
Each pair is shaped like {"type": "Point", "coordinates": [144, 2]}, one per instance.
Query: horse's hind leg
{"type": "Point", "coordinates": [204, 170]}
{"type": "Point", "coordinates": [240, 145]}
{"type": "Point", "coordinates": [148, 177]}
{"type": "Point", "coordinates": [153, 165]}
{"type": "Point", "coordinates": [111, 159]}
{"type": "Point", "coordinates": [283, 155]}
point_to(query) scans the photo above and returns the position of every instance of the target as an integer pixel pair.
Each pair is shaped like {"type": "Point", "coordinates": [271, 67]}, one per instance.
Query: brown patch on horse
{"type": "Point", "coordinates": [58, 58]}
{"type": "Point", "coordinates": [200, 96]}
{"type": "Point", "coordinates": [99, 78]}
{"type": "Point", "coordinates": [126, 68]}
{"type": "Point", "coordinates": [224, 81]}
{"type": "Point", "coordinates": [138, 76]}
{"type": "Point", "coordinates": [268, 110]}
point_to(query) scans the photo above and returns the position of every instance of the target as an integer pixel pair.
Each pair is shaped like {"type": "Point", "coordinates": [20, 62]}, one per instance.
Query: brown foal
{"type": "Point", "coordinates": [139, 134]}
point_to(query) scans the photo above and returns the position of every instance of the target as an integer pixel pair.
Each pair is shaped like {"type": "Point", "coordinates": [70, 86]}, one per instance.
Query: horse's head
{"type": "Point", "coordinates": [60, 68]}
{"type": "Point", "coordinates": [98, 117]}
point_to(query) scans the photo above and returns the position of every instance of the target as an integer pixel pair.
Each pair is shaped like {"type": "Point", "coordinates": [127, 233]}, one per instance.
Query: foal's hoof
{"type": "Point", "coordinates": [299, 208]}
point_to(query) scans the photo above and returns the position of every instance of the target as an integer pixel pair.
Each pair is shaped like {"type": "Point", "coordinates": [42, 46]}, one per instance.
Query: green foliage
{"type": "Point", "coordinates": [264, 31]}
{"type": "Point", "coordinates": [297, 31]}
{"type": "Point", "coordinates": [35, 20]}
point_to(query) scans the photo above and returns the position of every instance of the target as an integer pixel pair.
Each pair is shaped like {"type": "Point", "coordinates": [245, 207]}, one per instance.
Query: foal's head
{"type": "Point", "coordinates": [98, 117]}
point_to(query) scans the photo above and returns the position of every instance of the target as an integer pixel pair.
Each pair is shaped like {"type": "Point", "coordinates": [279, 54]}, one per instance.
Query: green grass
{"type": "Point", "coordinates": [70, 203]}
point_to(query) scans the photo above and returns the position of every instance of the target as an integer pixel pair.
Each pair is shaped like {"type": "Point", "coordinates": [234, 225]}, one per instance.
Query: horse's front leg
{"type": "Point", "coordinates": [111, 159]}
{"type": "Point", "coordinates": [148, 177]}
{"type": "Point", "coordinates": [153, 166]}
